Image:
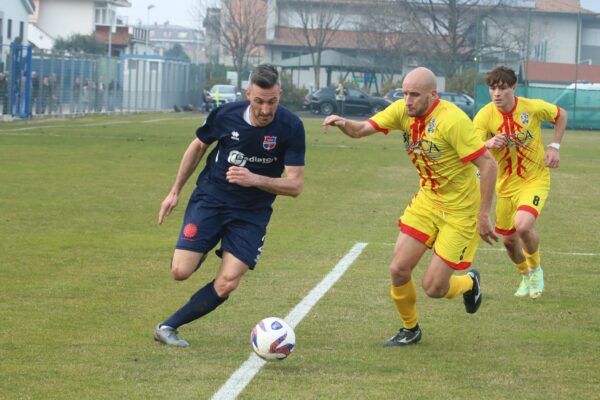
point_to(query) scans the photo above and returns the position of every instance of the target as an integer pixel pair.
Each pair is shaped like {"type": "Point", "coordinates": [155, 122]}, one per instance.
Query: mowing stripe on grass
{"type": "Point", "coordinates": [240, 378]}
{"type": "Point", "coordinates": [564, 253]}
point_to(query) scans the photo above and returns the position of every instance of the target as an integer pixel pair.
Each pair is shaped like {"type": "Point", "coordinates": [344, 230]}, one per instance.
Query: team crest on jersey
{"type": "Point", "coordinates": [525, 118]}
{"type": "Point", "coordinates": [235, 135]}
{"type": "Point", "coordinates": [431, 127]}
{"type": "Point", "coordinates": [270, 142]}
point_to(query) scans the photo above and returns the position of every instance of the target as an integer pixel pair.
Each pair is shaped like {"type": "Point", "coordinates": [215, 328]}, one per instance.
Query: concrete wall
{"type": "Point", "coordinates": [67, 17]}
{"type": "Point", "coordinates": [17, 12]}
{"type": "Point", "coordinates": [560, 34]}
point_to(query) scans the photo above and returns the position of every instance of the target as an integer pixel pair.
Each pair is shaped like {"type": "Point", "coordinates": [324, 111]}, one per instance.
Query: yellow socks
{"type": "Point", "coordinates": [532, 260]}
{"type": "Point", "coordinates": [523, 267]}
{"type": "Point", "coordinates": [459, 284]}
{"type": "Point", "coordinates": [405, 299]}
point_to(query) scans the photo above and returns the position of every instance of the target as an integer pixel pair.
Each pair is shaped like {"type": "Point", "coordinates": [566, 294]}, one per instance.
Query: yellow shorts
{"type": "Point", "coordinates": [530, 198]}
{"type": "Point", "coordinates": [454, 235]}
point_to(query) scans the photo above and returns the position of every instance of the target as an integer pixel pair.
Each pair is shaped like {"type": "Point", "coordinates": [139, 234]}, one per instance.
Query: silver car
{"type": "Point", "coordinates": [224, 93]}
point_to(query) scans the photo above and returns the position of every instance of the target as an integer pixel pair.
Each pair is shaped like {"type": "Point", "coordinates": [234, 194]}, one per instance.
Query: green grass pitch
{"type": "Point", "coordinates": [84, 277]}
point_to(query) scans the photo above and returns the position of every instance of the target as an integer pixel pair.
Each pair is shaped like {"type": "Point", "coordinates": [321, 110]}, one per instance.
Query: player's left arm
{"type": "Point", "coordinates": [552, 156]}
{"type": "Point", "coordinates": [487, 171]}
{"type": "Point", "coordinates": [290, 184]}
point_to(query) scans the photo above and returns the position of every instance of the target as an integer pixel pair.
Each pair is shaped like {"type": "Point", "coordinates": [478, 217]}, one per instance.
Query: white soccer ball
{"type": "Point", "coordinates": [273, 339]}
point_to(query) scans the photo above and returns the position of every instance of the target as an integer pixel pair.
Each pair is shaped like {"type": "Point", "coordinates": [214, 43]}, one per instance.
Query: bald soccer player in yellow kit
{"type": "Point", "coordinates": [448, 211]}
{"type": "Point", "coordinates": [511, 129]}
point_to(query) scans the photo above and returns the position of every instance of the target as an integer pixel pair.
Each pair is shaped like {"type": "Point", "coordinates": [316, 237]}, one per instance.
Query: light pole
{"type": "Point", "coordinates": [111, 22]}
{"type": "Point", "coordinates": [150, 7]}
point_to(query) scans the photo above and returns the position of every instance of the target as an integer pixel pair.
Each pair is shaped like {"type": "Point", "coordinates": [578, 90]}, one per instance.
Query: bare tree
{"type": "Point", "coordinates": [385, 38]}
{"type": "Point", "coordinates": [451, 29]}
{"type": "Point", "coordinates": [320, 20]}
{"type": "Point", "coordinates": [496, 42]}
{"type": "Point", "coordinates": [207, 18]}
{"type": "Point", "coordinates": [240, 25]}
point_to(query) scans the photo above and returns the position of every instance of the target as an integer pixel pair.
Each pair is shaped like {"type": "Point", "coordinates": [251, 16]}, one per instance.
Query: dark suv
{"type": "Point", "coordinates": [463, 101]}
{"type": "Point", "coordinates": [357, 102]}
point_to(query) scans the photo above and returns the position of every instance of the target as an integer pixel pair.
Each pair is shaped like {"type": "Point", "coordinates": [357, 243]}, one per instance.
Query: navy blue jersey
{"type": "Point", "coordinates": [263, 150]}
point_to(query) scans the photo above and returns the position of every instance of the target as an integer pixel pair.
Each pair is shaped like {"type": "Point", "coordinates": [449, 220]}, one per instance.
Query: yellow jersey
{"type": "Point", "coordinates": [522, 160]}
{"type": "Point", "coordinates": [441, 145]}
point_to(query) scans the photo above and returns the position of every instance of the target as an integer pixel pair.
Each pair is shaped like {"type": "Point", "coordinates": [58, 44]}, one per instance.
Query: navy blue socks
{"type": "Point", "coordinates": [201, 303]}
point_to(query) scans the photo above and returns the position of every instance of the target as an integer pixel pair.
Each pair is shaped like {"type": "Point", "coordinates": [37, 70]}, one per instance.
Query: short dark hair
{"type": "Point", "coordinates": [265, 76]}
{"type": "Point", "coordinates": [501, 75]}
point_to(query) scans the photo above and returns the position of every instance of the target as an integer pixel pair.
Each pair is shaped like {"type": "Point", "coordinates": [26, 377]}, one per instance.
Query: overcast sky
{"type": "Point", "coordinates": [179, 12]}
{"type": "Point", "coordinates": [593, 5]}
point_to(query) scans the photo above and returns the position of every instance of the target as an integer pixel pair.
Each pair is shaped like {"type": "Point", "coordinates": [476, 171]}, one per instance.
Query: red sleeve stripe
{"type": "Point", "coordinates": [460, 266]}
{"type": "Point", "coordinates": [474, 155]}
{"type": "Point", "coordinates": [380, 129]}
{"type": "Point", "coordinates": [557, 114]}
{"type": "Point", "coordinates": [505, 232]}
{"type": "Point", "coordinates": [528, 209]}
{"type": "Point", "coordinates": [415, 233]}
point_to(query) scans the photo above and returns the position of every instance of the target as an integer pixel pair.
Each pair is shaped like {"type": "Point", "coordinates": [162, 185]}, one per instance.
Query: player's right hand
{"type": "Point", "coordinates": [497, 142]}
{"type": "Point", "coordinates": [168, 204]}
{"type": "Point", "coordinates": [486, 230]}
{"type": "Point", "coordinates": [333, 120]}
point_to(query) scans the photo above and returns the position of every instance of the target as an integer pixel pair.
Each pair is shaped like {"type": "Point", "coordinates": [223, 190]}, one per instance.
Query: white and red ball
{"type": "Point", "coordinates": [273, 339]}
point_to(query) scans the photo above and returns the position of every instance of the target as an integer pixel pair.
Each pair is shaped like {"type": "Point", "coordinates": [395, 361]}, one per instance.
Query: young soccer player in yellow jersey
{"type": "Point", "coordinates": [511, 129]}
{"type": "Point", "coordinates": [448, 210]}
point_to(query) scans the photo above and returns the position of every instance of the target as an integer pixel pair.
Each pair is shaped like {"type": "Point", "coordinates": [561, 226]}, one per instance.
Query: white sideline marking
{"type": "Point", "coordinates": [242, 377]}
{"type": "Point", "coordinates": [114, 122]}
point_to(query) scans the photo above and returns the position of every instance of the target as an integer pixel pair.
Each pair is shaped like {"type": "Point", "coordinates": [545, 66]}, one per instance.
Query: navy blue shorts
{"type": "Point", "coordinates": [241, 232]}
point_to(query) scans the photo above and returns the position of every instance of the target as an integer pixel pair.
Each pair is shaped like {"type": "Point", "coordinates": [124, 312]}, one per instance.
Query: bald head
{"type": "Point", "coordinates": [422, 77]}
{"type": "Point", "coordinates": [420, 91]}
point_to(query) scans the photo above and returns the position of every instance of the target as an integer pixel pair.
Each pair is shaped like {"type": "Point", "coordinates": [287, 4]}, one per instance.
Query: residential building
{"type": "Point", "coordinates": [63, 18]}
{"type": "Point", "coordinates": [379, 30]}
{"type": "Point", "coordinates": [13, 25]}
{"type": "Point", "coordinates": [212, 28]}
{"type": "Point", "coordinates": [560, 75]}
{"type": "Point", "coordinates": [165, 36]}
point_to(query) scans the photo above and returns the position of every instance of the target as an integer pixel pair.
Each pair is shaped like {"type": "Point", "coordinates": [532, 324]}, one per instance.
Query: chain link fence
{"type": "Point", "coordinates": [60, 84]}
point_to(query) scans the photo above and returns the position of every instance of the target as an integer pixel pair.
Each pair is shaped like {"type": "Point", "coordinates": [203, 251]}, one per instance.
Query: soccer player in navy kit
{"type": "Point", "coordinates": [256, 142]}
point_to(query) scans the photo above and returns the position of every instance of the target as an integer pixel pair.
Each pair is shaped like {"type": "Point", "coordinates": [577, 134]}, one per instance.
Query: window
{"type": "Point", "coordinates": [354, 92]}
{"type": "Point", "coordinates": [182, 35]}
{"type": "Point", "coordinates": [9, 29]}
{"type": "Point", "coordinates": [289, 54]}
{"type": "Point", "coordinates": [104, 16]}
{"type": "Point", "coordinates": [21, 29]}
{"type": "Point", "coordinates": [540, 51]}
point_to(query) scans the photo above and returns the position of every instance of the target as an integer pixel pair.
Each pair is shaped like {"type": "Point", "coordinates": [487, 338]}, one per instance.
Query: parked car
{"type": "Point", "coordinates": [306, 101]}
{"type": "Point", "coordinates": [463, 101]}
{"type": "Point", "coordinates": [394, 94]}
{"type": "Point", "coordinates": [227, 94]}
{"type": "Point", "coordinates": [357, 102]}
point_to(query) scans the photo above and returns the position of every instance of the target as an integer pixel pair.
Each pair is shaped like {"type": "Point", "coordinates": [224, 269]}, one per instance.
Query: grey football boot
{"type": "Point", "coordinates": [168, 335]}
